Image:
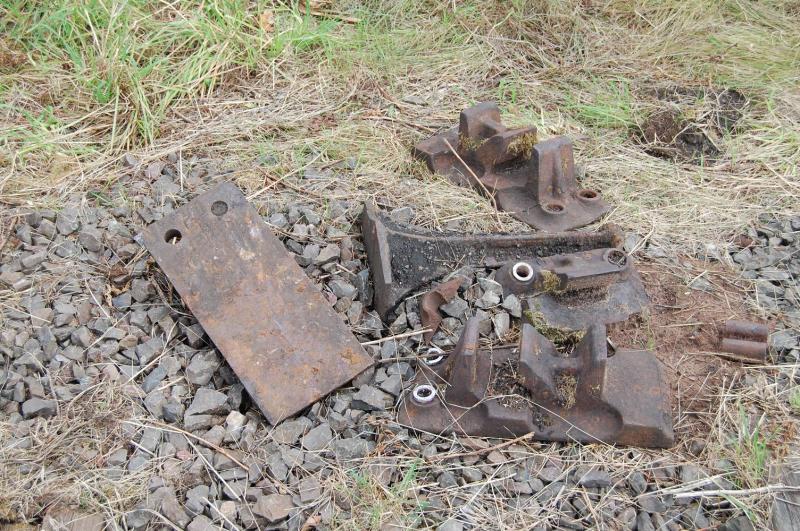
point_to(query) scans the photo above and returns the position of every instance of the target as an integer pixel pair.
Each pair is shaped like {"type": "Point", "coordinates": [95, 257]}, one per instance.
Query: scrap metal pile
{"type": "Point", "coordinates": [563, 381]}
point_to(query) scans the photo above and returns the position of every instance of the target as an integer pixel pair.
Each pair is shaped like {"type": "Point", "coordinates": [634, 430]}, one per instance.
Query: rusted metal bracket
{"type": "Point", "coordinates": [405, 259]}
{"type": "Point", "coordinates": [576, 290]}
{"type": "Point", "coordinates": [534, 182]}
{"type": "Point", "coordinates": [745, 341]}
{"type": "Point", "coordinates": [279, 334]}
{"type": "Point", "coordinates": [583, 395]}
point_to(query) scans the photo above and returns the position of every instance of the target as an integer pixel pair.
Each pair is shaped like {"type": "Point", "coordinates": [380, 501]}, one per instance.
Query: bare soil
{"type": "Point", "coordinates": [682, 327]}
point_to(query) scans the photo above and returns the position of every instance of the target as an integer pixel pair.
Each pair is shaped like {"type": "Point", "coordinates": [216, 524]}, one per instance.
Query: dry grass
{"type": "Point", "coordinates": [83, 83]}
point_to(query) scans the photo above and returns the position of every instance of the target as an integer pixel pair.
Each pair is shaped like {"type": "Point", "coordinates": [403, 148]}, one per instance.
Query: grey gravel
{"type": "Point", "coordinates": [38, 407]}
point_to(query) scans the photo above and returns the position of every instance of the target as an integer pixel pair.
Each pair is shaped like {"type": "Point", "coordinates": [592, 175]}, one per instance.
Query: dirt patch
{"type": "Point", "coordinates": [507, 384]}
{"type": "Point", "coordinates": [682, 327]}
{"type": "Point", "coordinates": [689, 124]}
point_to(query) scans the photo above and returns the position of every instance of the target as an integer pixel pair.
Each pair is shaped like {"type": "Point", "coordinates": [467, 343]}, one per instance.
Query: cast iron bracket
{"type": "Point", "coordinates": [576, 290]}
{"type": "Point", "coordinates": [534, 182]}
{"type": "Point", "coordinates": [584, 396]}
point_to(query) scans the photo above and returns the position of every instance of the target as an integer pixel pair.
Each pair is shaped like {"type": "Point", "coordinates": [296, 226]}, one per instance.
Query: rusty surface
{"type": "Point", "coordinates": [744, 340]}
{"type": "Point", "coordinates": [583, 395]}
{"type": "Point", "coordinates": [430, 302]}
{"type": "Point", "coordinates": [576, 290]}
{"type": "Point", "coordinates": [404, 259]}
{"type": "Point", "coordinates": [278, 333]}
{"type": "Point", "coordinates": [533, 181]}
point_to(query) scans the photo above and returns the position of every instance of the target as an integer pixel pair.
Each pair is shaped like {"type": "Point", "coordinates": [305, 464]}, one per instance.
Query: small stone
{"type": "Point", "coordinates": [455, 308]}
{"type": "Point", "coordinates": [289, 431]}
{"type": "Point", "coordinates": [644, 523]}
{"type": "Point", "coordinates": [402, 214]}
{"type": "Point", "coordinates": [317, 438]}
{"type": "Point", "coordinates": [81, 337]}
{"type": "Point", "coordinates": [550, 474]}
{"type": "Point", "coordinates": [701, 284]}
{"type": "Point", "coordinates": [352, 448]}
{"type": "Point", "coordinates": [67, 221]}
{"type": "Point", "coordinates": [651, 504]}
{"type": "Point", "coordinates": [208, 402]}
{"type": "Point", "coordinates": [489, 299]}
{"type": "Point", "coordinates": [691, 473]}
{"type": "Point", "coordinates": [37, 407]}
{"type": "Point", "coordinates": [595, 479]}
{"type": "Point", "coordinates": [309, 490]}
{"type": "Point", "coordinates": [369, 398]}
{"type": "Point", "coordinates": [202, 367]}
{"type": "Point", "coordinates": [117, 458]}
{"type": "Point", "coordinates": [201, 523]}
{"type": "Point", "coordinates": [501, 322]}
{"type": "Point", "coordinates": [447, 480]}
{"type": "Point", "coordinates": [327, 255]}
{"type": "Point", "coordinates": [637, 483]}
{"type": "Point", "coordinates": [512, 304]}
{"type": "Point", "coordinates": [31, 262]}
{"type": "Point", "coordinates": [341, 288]}
{"type": "Point", "coordinates": [174, 511]}
{"type": "Point", "coordinates": [392, 385]}
{"type": "Point", "coordinates": [273, 507]}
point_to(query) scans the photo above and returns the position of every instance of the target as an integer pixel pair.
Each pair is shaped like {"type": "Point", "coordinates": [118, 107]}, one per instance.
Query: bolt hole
{"type": "Point", "coordinates": [553, 208]}
{"type": "Point", "coordinates": [589, 194]}
{"type": "Point", "coordinates": [522, 271]}
{"type": "Point", "coordinates": [424, 393]}
{"type": "Point", "coordinates": [616, 257]}
{"type": "Point", "coordinates": [219, 208]}
{"type": "Point", "coordinates": [436, 359]}
{"type": "Point", "coordinates": [172, 236]}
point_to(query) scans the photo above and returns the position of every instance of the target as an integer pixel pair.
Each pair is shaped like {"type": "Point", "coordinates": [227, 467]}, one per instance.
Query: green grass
{"type": "Point", "coordinates": [751, 449]}
{"type": "Point", "coordinates": [794, 400]}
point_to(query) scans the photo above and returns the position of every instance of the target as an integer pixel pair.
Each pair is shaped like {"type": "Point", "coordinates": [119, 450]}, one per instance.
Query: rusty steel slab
{"type": "Point", "coordinates": [533, 181]}
{"type": "Point", "coordinates": [584, 395]}
{"type": "Point", "coordinates": [576, 290]}
{"type": "Point", "coordinates": [745, 341]}
{"type": "Point", "coordinates": [276, 330]}
{"type": "Point", "coordinates": [404, 259]}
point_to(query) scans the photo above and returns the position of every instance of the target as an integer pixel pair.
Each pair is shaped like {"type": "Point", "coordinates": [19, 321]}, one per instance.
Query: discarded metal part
{"type": "Point", "coordinates": [576, 290]}
{"type": "Point", "coordinates": [430, 302]}
{"type": "Point", "coordinates": [583, 395]}
{"type": "Point", "coordinates": [534, 182]}
{"type": "Point", "coordinates": [404, 259]}
{"type": "Point", "coordinates": [744, 340]}
{"type": "Point", "coordinates": [277, 331]}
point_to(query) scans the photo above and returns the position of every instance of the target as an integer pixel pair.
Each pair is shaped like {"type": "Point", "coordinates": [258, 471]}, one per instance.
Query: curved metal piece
{"type": "Point", "coordinates": [582, 396]}
{"type": "Point", "coordinates": [534, 182]}
{"type": "Point", "coordinates": [404, 259]}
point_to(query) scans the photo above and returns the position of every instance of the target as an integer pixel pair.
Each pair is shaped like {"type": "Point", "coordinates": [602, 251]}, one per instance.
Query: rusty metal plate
{"type": "Point", "coordinates": [583, 395]}
{"type": "Point", "coordinates": [404, 259]}
{"type": "Point", "coordinates": [279, 334]}
{"type": "Point", "coordinates": [533, 181]}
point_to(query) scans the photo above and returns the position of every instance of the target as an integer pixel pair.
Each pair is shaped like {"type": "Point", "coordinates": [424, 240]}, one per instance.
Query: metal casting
{"type": "Point", "coordinates": [745, 341]}
{"type": "Point", "coordinates": [576, 290]}
{"type": "Point", "coordinates": [534, 182]}
{"type": "Point", "coordinates": [276, 330]}
{"type": "Point", "coordinates": [579, 395]}
{"type": "Point", "coordinates": [404, 259]}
